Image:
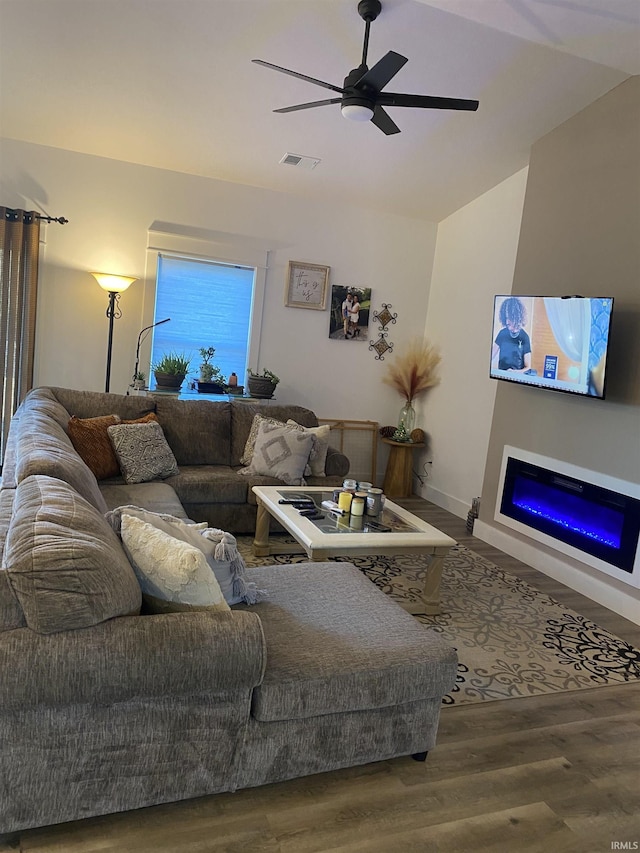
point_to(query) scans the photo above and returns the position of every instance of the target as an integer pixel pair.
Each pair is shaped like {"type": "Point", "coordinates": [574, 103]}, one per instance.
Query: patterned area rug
{"type": "Point", "coordinates": [512, 639]}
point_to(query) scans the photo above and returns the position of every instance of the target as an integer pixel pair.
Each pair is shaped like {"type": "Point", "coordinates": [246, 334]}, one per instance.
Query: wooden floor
{"type": "Point", "coordinates": [552, 774]}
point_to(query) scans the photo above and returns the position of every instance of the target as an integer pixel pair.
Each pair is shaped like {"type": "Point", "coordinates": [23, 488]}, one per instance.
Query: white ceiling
{"type": "Point", "coordinates": [169, 83]}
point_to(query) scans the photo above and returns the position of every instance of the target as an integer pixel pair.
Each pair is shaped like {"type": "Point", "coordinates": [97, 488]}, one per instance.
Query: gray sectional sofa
{"type": "Point", "coordinates": [104, 710]}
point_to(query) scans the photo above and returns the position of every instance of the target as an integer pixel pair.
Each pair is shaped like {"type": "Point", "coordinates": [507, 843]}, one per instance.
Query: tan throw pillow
{"type": "Point", "coordinates": [91, 442]}
{"type": "Point", "coordinates": [143, 452]}
{"type": "Point", "coordinates": [173, 575]}
{"type": "Point", "coordinates": [318, 459]}
{"type": "Point", "coordinates": [280, 451]}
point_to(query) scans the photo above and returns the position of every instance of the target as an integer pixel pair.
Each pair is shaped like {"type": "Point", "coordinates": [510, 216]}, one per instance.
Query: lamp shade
{"type": "Point", "coordinates": [113, 283]}
{"type": "Point", "coordinates": [357, 112]}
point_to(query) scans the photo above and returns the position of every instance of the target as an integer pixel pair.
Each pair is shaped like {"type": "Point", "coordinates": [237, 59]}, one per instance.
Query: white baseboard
{"type": "Point", "coordinates": [625, 603]}
{"type": "Point", "coordinates": [453, 505]}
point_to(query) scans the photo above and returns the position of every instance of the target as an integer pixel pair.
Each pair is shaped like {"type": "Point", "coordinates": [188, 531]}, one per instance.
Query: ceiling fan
{"type": "Point", "coordinates": [361, 96]}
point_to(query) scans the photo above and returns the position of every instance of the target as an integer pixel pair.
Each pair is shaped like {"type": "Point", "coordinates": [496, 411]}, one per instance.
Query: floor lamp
{"type": "Point", "coordinates": [114, 285]}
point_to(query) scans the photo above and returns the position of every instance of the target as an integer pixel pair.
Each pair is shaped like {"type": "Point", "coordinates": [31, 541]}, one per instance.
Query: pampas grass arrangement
{"type": "Point", "coordinates": [414, 370]}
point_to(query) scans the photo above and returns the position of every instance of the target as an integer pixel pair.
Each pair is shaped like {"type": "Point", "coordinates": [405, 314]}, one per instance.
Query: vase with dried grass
{"type": "Point", "coordinates": [412, 372]}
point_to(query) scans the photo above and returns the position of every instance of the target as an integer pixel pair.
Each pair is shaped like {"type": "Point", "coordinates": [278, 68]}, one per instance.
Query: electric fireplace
{"type": "Point", "coordinates": [587, 515]}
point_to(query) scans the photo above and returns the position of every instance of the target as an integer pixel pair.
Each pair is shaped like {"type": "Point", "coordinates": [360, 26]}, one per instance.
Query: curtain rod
{"type": "Point", "coordinates": [12, 215]}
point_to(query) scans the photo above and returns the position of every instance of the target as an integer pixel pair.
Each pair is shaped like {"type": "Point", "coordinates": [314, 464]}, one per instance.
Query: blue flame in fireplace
{"type": "Point", "coordinates": [571, 512]}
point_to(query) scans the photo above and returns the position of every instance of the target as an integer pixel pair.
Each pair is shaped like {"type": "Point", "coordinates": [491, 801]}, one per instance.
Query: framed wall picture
{"type": "Point", "coordinates": [306, 286]}
{"type": "Point", "coordinates": [349, 315]}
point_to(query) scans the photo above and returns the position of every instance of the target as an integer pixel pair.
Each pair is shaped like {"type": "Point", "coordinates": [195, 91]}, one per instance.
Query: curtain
{"type": "Point", "coordinates": [19, 248]}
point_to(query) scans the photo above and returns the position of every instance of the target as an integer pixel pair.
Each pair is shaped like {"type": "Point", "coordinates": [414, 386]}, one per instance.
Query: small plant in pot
{"type": "Point", "coordinates": [139, 380]}
{"type": "Point", "coordinates": [262, 384]}
{"type": "Point", "coordinates": [211, 379]}
{"type": "Point", "coordinates": [171, 370]}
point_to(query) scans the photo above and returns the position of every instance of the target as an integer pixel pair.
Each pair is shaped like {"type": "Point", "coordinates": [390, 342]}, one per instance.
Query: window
{"type": "Point", "coordinates": [210, 305]}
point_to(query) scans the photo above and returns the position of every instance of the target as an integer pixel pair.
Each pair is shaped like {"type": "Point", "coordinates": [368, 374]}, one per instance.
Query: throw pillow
{"type": "Point", "coordinates": [219, 548]}
{"type": "Point", "coordinates": [91, 442]}
{"type": "Point", "coordinates": [253, 434]}
{"type": "Point", "coordinates": [318, 459]}
{"type": "Point", "coordinates": [173, 575]}
{"type": "Point", "coordinates": [247, 456]}
{"type": "Point", "coordinates": [142, 451]}
{"type": "Point", "coordinates": [281, 452]}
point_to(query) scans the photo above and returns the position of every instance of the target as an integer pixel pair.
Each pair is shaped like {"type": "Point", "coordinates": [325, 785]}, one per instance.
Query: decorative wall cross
{"type": "Point", "coordinates": [382, 345]}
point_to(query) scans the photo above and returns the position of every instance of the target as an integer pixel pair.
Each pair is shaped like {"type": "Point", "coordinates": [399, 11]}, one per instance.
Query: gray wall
{"type": "Point", "coordinates": [580, 234]}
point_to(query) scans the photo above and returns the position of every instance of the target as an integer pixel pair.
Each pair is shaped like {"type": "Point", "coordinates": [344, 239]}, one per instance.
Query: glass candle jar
{"type": "Point", "coordinates": [357, 504]}
{"type": "Point", "coordinates": [374, 501]}
{"type": "Point", "coordinates": [344, 501]}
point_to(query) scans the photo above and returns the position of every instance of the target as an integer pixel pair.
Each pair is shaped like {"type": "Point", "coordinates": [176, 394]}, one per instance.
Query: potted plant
{"type": "Point", "coordinates": [262, 384]}
{"type": "Point", "coordinates": [170, 371]}
{"type": "Point", "coordinates": [139, 380]}
{"type": "Point", "coordinates": [211, 379]}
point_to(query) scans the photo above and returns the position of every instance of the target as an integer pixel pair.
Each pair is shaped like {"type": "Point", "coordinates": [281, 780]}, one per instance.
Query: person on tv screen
{"type": "Point", "coordinates": [512, 346]}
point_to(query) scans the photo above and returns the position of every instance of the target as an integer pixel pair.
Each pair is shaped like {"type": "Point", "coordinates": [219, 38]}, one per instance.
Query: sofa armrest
{"type": "Point", "coordinates": [337, 464]}
{"type": "Point", "coordinates": [132, 658]}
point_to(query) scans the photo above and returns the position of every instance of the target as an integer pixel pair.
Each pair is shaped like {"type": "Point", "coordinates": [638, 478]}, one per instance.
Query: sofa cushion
{"type": "Point", "coordinates": [173, 574]}
{"type": "Point", "coordinates": [336, 643]}
{"type": "Point", "coordinates": [282, 452]}
{"type": "Point", "coordinates": [142, 451]}
{"type": "Point", "coordinates": [44, 448]}
{"type": "Point", "coordinates": [91, 404]}
{"type": "Point", "coordinates": [11, 615]}
{"type": "Point", "coordinates": [215, 484]}
{"type": "Point", "coordinates": [156, 496]}
{"type": "Point", "coordinates": [198, 431]}
{"type": "Point", "coordinates": [65, 563]}
{"type": "Point", "coordinates": [44, 401]}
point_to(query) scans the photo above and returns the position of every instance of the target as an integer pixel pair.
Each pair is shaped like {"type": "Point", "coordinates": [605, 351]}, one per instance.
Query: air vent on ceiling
{"type": "Point", "coordinates": [300, 161]}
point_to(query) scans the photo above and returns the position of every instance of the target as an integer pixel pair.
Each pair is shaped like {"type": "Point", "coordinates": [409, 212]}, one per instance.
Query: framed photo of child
{"type": "Point", "coordinates": [349, 315]}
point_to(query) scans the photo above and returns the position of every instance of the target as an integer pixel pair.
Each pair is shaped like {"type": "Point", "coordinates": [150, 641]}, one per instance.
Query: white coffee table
{"type": "Point", "coordinates": [334, 538]}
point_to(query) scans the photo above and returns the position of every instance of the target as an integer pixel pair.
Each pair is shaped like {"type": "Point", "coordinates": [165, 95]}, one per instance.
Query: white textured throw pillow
{"type": "Point", "coordinates": [220, 549]}
{"type": "Point", "coordinates": [173, 575]}
{"type": "Point", "coordinates": [281, 452]}
{"type": "Point", "coordinates": [318, 459]}
{"type": "Point", "coordinates": [142, 451]}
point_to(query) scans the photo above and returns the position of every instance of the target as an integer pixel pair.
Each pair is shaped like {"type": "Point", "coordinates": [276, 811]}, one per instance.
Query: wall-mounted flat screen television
{"type": "Point", "coordinates": [554, 342]}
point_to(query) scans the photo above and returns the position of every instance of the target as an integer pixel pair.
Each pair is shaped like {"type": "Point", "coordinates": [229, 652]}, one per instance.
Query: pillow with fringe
{"type": "Point", "coordinates": [220, 549]}
{"type": "Point", "coordinates": [173, 575]}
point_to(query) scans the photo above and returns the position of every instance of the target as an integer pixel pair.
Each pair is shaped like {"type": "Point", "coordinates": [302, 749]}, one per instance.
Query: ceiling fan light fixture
{"type": "Point", "coordinates": [357, 112]}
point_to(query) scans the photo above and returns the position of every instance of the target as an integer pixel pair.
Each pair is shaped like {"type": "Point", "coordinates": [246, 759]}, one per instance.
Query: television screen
{"type": "Point", "coordinates": [553, 342]}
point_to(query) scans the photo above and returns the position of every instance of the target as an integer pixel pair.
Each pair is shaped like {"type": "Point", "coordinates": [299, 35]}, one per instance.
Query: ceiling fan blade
{"type": "Point", "coordinates": [386, 68]}
{"type": "Point", "coordinates": [384, 121]}
{"type": "Point", "coordinates": [298, 75]}
{"type": "Point", "coordinates": [431, 102]}
{"type": "Point", "coordinates": [308, 106]}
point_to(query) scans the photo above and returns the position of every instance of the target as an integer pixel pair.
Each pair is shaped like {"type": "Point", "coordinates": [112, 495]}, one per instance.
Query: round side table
{"type": "Point", "coordinates": [397, 478]}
